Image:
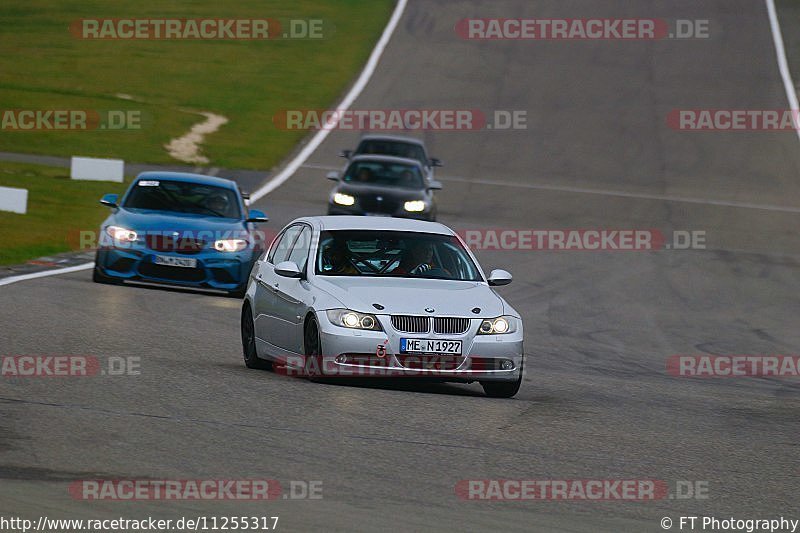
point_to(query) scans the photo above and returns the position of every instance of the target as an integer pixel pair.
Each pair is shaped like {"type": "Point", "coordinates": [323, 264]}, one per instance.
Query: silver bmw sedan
{"type": "Point", "coordinates": [346, 296]}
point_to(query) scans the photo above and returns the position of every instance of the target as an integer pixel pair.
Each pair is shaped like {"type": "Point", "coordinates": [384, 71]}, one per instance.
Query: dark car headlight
{"type": "Point", "coordinates": [346, 318]}
{"type": "Point", "coordinates": [343, 199]}
{"type": "Point", "coordinates": [498, 326]}
{"type": "Point", "coordinates": [415, 206]}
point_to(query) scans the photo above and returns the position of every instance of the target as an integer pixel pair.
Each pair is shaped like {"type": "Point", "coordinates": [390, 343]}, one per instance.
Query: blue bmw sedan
{"type": "Point", "coordinates": [181, 229]}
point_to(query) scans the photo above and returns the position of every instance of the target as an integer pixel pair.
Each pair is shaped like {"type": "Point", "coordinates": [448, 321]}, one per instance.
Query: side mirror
{"type": "Point", "coordinates": [435, 162]}
{"type": "Point", "coordinates": [332, 176]}
{"type": "Point", "coordinates": [288, 269]}
{"type": "Point", "coordinates": [435, 185]}
{"type": "Point", "coordinates": [499, 277]}
{"type": "Point", "coordinates": [110, 200]}
{"type": "Point", "coordinates": [257, 216]}
{"type": "Point", "coordinates": [346, 153]}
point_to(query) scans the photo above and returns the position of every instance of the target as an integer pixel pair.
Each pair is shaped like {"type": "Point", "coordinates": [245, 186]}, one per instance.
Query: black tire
{"type": "Point", "coordinates": [312, 349]}
{"type": "Point", "coordinates": [251, 359]}
{"type": "Point", "coordinates": [502, 389]}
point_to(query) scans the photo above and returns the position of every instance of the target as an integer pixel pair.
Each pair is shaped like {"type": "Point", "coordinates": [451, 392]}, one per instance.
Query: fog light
{"type": "Point", "coordinates": [506, 364]}
{"type": "Point", "coordinates": [341, 359]}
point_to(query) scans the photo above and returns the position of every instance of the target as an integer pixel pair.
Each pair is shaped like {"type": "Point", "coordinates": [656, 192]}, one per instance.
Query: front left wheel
{"type": "Point", "coordinates": [502, 389]}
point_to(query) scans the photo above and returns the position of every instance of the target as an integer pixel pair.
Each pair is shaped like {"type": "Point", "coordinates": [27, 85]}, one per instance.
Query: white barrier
{"type": "Point", "coordinates": [94, 169]}
{"type": "Point", "coordinates": [14, 200]}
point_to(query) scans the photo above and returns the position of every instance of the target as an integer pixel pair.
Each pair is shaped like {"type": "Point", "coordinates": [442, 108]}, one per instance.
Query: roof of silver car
{"type": "Point", "coordinates": [345, 222]}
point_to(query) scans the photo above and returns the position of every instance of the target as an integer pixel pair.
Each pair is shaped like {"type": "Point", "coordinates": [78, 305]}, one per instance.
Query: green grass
{"type": "Point", "coordinates": [58, 208]}
{"type": "Point", "coordinates": [45, 67]}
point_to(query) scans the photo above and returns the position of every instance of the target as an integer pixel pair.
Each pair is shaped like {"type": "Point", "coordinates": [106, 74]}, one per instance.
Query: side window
{"type": "Point", "coordinates": [299, 253]}
{"type": "Point", "coordinates": [280, 250]}
{"type": "Point", "coordinates": [274, 247]}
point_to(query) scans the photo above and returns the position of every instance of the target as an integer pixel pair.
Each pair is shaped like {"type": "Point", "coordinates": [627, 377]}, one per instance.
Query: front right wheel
{"type": "Point", "coordinates": [312, 348]}
{"type": "Point", "coordinates": [251, 359]}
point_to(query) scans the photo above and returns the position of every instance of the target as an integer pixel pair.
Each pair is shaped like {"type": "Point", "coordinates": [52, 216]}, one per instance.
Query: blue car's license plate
{"type": "Point", "coordinates": [437, 346]}
{"type": "Point", "coordinates": [184, 262]}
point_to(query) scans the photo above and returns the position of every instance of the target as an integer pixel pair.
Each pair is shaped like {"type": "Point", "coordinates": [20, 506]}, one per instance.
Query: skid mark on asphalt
{"type": "Point", "coordinates": [32, 473]}
{"type": "Point", "coordinates": [262, 427]}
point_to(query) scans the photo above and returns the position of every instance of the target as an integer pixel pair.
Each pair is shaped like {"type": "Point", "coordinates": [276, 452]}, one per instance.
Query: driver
{"type": "Point", "coordinates": [417, 260]}
{"type": "Point", "coordinates": [218, 203]}
{"type": "Point", "coordinates": [339, 258]}
{"type": "Point", "coordinates": [364, 175]}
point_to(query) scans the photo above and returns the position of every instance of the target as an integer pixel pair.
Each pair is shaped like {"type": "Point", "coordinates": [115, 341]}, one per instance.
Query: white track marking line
{"type": "Point", "coordinates": [298, 160]}
{"type": "Point", "coordinates": [44, 273]}
{"type": "Point", "coordinates": [783, 64]}
{"type": "Point", "coordinates": [606, 192]}
{"type": "Point", "coordinates": [354, 92]}
{"type": "Point", "coordinates": [623, 194]}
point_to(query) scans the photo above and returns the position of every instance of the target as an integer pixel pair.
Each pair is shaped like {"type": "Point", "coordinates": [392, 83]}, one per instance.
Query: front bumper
{"type": "Point", "coordinates": [214, 270]}
{"type": "Point", "coordinates": [355, 353]}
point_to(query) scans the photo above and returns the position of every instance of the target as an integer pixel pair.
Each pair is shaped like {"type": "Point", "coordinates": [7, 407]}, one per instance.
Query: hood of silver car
{"type": "Point", "coordinates": [414, 296]}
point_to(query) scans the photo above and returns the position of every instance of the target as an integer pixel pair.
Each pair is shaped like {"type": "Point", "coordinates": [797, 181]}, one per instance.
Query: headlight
{"type": "Point", "coordinates": [343, 199]}
{"type": "Point", "coordinates": [230, 245]}
{"type": "Point", "coordinates": [121, 234]}
{"type": "Point", "coordinates": [498, 326]}
{"type": "Point", "coordinates": [414, 206]}
{"type": "Point", "coordinates": [353, 320]}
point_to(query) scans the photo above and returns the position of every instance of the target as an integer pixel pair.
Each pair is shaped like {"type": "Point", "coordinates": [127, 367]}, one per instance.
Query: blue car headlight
{"type": "Point", "coordinates": [230, 245]}
{"type": "Point", "coordinates": [121, 234]}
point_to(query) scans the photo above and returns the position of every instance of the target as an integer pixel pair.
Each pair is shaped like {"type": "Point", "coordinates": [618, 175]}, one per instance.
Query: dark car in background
{"type": "Point", "coordinates": [395, 146]}
{"type": "Point", "coordinates": [187, 230]}
{"type": "Point", "coordinates": [383, 186]}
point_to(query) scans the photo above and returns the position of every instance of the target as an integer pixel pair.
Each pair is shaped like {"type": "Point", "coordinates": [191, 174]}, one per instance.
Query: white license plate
{"type": "Point", "coordinates": [183, 262]}
{"type": "Point", "coordinates": [430, 346]}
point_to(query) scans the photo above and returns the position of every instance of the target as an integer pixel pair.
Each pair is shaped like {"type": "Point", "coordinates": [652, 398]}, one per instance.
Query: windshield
{"type": "Point", "coordinates": [394, 254]}
{"type": "Point", "coordinates": [184, 197]}
{"type": "Point", "coordinates": [382, 173]}
{"type": "Point", "coordinates": [393, 148]}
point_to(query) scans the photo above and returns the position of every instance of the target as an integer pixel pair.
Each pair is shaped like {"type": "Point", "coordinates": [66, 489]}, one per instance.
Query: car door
{"type": "Point", "coordinates": [267, 323]}
{"type": "Point", "coordinates": [293, 296]}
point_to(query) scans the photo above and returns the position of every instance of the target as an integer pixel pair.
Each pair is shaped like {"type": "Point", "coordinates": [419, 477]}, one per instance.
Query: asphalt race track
{"type": "Point", "coordinates": [596, 403]}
